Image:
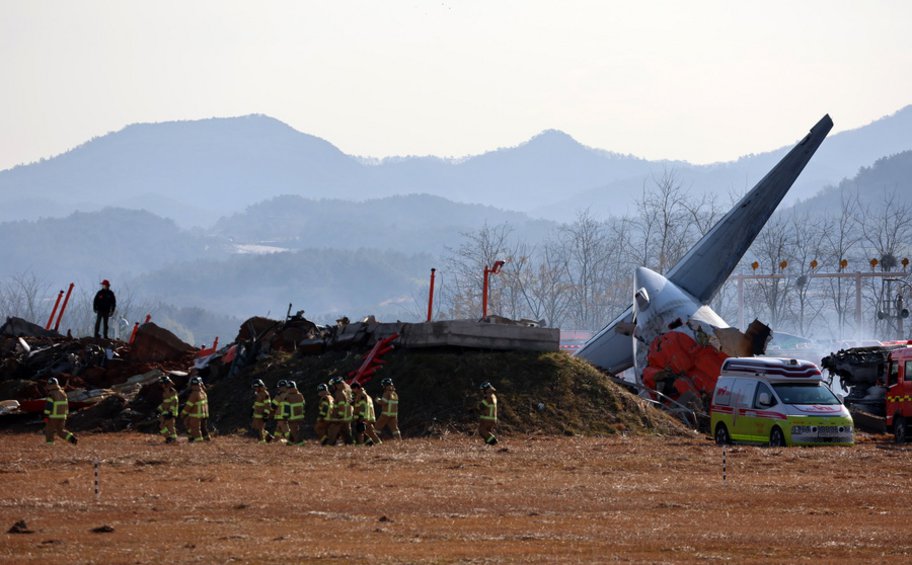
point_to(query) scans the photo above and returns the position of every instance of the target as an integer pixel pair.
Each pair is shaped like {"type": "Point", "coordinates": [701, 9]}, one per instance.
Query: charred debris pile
{"type": "Point", "coordinates": [113, 385]}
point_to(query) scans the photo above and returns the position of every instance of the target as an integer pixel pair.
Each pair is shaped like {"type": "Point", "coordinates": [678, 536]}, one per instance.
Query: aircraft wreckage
{"type": "Point", "coordinates": [673, 339]}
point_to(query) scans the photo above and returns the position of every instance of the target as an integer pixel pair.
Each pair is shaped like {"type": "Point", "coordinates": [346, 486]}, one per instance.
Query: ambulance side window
{"type": "Point", "coordinates": [907, 376]}
{"type": "Point", "coordinates": [724, 393]}
{"type": "Point", "coordinates": [766, 395]}
{"type": "Point", "coordinates": [743, 392]}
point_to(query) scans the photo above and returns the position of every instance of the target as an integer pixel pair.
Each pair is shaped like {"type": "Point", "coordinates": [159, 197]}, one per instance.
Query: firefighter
{"type": "Point", "coordinates": [341, 416]}
{"type": "Point", "coordinates": [364, 417]}
{"type": "Point", "coordinates": [56, 408]}
{"type": "Point", "coordinates": [294, 400]}
{"type": "Point", "coordinates": [389, 409]}
{"type": "Point", "coordinates": [279, 407]}
{"type": "Point", "coordinates": [196, 409]}
{"type": "Point", "coordinates": [262, 405]}
{"type": "Point", "coordinates": [167, 410]}
{"type": "Point", "coordinates": [488, 416]}
{"type": "Point", "coordinates": [204, 423]}
{"type": "Point", "coordinates": [324, 412]}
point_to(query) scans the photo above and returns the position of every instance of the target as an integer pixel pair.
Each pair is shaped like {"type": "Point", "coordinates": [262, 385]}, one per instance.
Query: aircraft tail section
{"type": "Point", "coordinates": [710, 262]}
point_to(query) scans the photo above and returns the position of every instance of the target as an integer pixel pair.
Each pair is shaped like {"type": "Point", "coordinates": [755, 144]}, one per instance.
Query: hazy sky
{"type": "Point", "coordinates": [696, 80]}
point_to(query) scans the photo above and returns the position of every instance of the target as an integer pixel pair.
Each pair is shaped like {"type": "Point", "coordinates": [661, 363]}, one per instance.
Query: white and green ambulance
{"type": "Point", "coordinates": [779, 402]}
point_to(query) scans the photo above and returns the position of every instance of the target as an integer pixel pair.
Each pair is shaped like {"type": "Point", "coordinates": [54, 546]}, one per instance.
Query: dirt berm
{"type": "Point", "coordinates": [546, 393]}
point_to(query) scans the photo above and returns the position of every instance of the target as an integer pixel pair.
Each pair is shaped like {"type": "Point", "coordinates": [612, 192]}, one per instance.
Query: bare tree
{"type": "Point", "coordinates": [664, 223]}
{"type": "Point", "coordinates": [840, 238]}
{"type": "Point", "coordinates": [886, 228]}
{"type": "Point", "coordinates": [771, 249]}
{"type": "Point", "coordinates": [807, 246]}
{"type": "Point", "coordinates": [461, 293]}
{"type": "Point", "coordinates": [24, 296]}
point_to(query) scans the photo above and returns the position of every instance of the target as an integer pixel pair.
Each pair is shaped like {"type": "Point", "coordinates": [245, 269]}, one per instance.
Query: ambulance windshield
{"type": "Point", "coordinates": [805, 393]}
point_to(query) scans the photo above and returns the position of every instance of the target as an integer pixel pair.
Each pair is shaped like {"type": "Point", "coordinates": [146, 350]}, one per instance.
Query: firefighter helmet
{"type": "Point", "coordinates": [485, 385]}
{"type": "Point", "coordinates": [258, 383]}
{"type": "Point", "coordinates": [196, 381]}
{"type": "Point", "coordinates": [387, 382]}
{"type": "Point", "coordinates": [52, 381]}
{"type": "Point", "coordinates": [291, 384]}
{"type": "Point", "coordinates": [322, 387]}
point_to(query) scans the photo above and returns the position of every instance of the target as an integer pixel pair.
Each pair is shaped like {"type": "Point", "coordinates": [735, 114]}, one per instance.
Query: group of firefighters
{"type": "Point", "coordinates": [345, 412]}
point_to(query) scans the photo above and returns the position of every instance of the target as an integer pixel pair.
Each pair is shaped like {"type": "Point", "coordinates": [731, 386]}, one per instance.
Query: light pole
{"type": "Point", "coordinates": [894, 309]}
{"type": "Point", "coordinates": [484, 291]}
{"type": "Point", "coordinates": [431, 296]}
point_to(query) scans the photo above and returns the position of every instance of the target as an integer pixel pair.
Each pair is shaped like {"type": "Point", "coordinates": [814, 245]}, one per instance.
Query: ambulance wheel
{"type": "Point", "coordinates": [777, 439]}
{"type": "Point", "coordinates": [899, 429]}
{"type": "Point", "coordinates": [722, 435]}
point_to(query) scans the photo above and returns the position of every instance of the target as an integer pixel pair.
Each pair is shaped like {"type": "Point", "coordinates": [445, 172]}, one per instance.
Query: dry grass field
{"type": "Point", "coordinates": [539, 499]}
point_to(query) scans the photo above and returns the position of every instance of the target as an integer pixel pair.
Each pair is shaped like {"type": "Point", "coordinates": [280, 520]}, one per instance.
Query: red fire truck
{"type": "Point", "coordinates": [879, 381]}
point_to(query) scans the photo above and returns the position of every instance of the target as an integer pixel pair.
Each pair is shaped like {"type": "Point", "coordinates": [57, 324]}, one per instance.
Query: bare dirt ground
{"type": "Point", "coordinates": [530, 499]}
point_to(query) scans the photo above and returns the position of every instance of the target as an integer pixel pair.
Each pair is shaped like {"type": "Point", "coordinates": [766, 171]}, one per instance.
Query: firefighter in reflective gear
{"type": "Point", "coordinates": [488, 416]}
{"type": "Point", "coordinates": [389, 410]}
{"type": "Point", "coordinates": [364, 417]}
{"type": "Point", "coordinates": [196, 409]}
{"type": "Point", "coordinates": [341, 415]}
{"type": "Point", "coordinates": [56, 408]}
{"type": "Point", "coordinates": [324, 412]}
{"type": "Point", "coordinates": [294, 400]}
{"type": "Point", "coordinates": [262, 406]}
{"type": "Point", "coordinates": [279, 409]}
{"type": "Point", "coordinates": [167, 410]}
{"type": "Point", "coordinates": [204, 423]}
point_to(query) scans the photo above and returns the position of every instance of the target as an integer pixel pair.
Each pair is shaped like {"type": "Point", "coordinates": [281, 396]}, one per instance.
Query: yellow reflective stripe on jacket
{"type": "Point", "coordinates": [489, 410]}
{"type": "Point", "coordinates": [280, 409]}
{"type": "Point", "coordinates": [197, 409]}
{"type": "Point", "coordinates": [365, 410]}
{"type": "Point", "coordinates": [342, 412]}
{"type": "Point", "coordinates": [58, 409]}
{"type": "Point", "coordinates": [296, 410]}
{"type": "Point", "coordinates": [391, 406]}
{"type": "Point", "coordinates": [169, 405]}
{"type": "Point", "coordinates": [325, 408]}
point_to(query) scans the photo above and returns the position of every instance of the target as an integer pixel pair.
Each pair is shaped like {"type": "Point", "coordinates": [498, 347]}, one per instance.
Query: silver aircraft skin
{"type": "Point", "coordinates": [660, 306]}
{"type": "Point", "coordinates": [696, 279]}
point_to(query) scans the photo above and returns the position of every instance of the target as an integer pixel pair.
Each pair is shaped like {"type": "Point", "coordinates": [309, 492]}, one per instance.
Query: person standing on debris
{"type": "Point", "coordinates": [324, 412]}
{"type": "Point", "coordinates": [488, 416]}
{"type": "Point", "coordinates": [196, 409]}
{"type": "Point", "coordinates": [261, 408]}
{"type": "Point", "coordinates": [279, 409]}
{"type": "Point", "coordinates": [168, 409]}
{"type": "Point", "coordinates": [364, 417]}
{"type": "Point", "coordinates": [295, 402]}
{"type": "Point", "coordinates": [104, 305]}
{"type": "Point", "coordinates": [340, 422]}
{"type": "Point", "coordinates": [389, 409]}
{"type": "Point", "coordinates": [56, 408]}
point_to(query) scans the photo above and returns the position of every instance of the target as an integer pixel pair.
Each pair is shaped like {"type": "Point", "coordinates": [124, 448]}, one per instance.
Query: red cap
{"type": "Point", "coordinates": [105, 283]}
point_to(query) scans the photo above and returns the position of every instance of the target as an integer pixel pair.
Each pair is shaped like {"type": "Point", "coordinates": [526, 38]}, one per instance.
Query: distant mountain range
{"type": "Point", "coordinates": [415, 223]}
{"type": "Point", "coordinates": [195, 172]}
{"type": "Point", "coordinates": [889, 177]}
